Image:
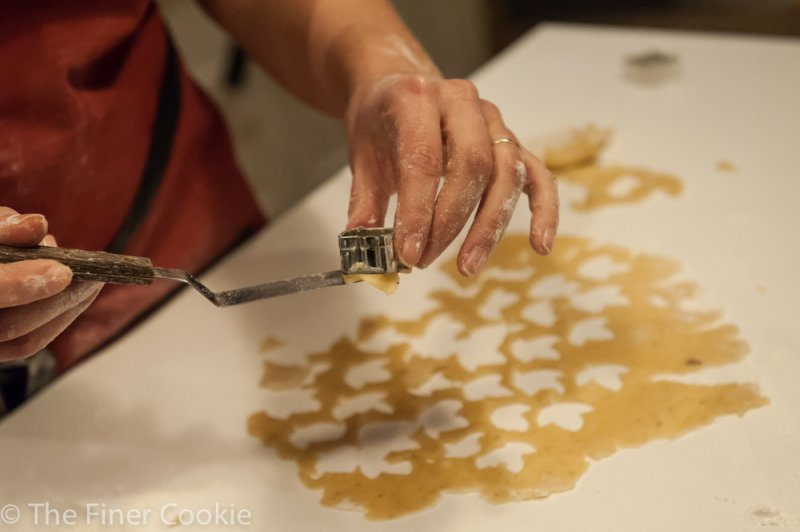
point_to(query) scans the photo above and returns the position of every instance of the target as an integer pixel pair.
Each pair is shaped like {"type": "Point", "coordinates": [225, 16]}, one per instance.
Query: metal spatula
{"type": "Point", "coordinates": [363, 251]}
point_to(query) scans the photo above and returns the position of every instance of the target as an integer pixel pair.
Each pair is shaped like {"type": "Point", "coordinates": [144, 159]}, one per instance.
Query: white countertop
{"type": "Point", "coordinates": [160, 416]}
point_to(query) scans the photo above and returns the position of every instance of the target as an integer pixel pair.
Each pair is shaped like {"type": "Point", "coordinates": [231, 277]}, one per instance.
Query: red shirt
{"type": "Point", "coordinates": [79, 89]}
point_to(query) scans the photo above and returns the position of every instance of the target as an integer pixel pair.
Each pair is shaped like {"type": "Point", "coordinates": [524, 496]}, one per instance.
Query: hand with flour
{"type": "Point", "coordinates": [38, 299]}
{"type": "Point", "coordinates": [445, 151]}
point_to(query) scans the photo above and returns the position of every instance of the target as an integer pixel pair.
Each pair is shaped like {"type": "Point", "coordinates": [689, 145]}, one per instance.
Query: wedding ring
{"type": "Point", "coordinates": [507, 141]}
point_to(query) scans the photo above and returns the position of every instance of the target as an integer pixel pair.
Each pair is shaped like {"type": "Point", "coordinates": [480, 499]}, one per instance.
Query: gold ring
{"type": "Point", "coordinates": [507, 141]}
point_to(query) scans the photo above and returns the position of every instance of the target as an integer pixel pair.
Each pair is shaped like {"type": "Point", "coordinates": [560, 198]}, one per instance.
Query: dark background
{"type": "Point", "coordinates": [511, 18]}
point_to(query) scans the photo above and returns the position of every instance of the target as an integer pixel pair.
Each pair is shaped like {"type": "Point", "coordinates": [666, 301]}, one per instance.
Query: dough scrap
{"type": "Point", "coordinates": [386, 282]}
{"type": "Point", "coordinates": [574, 159]}
{"type": "Point", "coordinates": [400, 460]}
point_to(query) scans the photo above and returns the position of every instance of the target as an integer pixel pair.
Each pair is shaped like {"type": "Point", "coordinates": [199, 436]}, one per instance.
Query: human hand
{"type": "Point", "coordinates": [38, 299]}
{"type": "Point", "coordinates": [408, 131]}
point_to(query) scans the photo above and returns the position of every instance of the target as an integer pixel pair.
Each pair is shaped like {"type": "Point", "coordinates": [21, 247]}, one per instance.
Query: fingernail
{"type": "Point", "coordinates": [412, 250]}
{"type": "Point", "coordinates": [474, 261]}
{"type": "Point", "coordinates": [547, 240]}
{"type": "Point", "coordinates": [49, 241]}
{"type": "Point", "coordinates": [16, 219]}
{"type": "Point", "coordinates": [425, 259]}
{"type": "Point", "coordinates": [57, 274]}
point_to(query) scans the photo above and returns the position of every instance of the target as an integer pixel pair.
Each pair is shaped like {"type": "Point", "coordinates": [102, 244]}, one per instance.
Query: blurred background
{"type": "Point", "coordinates": [287, 149]}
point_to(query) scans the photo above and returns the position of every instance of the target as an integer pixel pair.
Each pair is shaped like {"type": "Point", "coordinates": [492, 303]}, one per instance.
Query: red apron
{"type": "Point", "coordinates": [81, 91]}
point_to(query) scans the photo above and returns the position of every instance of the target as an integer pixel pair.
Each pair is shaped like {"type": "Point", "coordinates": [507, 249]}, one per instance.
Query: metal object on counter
{"type": "Point", "coordinates": [652, 68]}
{"type": "Point", "coordinates": [362, 251]}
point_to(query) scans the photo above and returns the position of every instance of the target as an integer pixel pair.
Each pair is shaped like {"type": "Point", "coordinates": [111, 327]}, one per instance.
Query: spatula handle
{"type": "Point", "coordinates": [88, 265]}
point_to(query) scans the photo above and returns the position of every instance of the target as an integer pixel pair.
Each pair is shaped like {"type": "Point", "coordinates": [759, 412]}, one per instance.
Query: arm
{"type": "Point", "coordinates": [322, 50]}
{"type": "Point", "coordinates": [407, 125]}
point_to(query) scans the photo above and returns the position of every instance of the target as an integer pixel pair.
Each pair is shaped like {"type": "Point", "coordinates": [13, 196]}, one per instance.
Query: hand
{"type": "Point", "coordinates": [38, 299]}
{"type": "Point", "coordinates": [406, 132]}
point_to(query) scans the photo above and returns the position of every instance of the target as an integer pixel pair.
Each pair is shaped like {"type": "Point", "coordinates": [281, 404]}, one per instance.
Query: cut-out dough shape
{"type": "Point", "coordinates": [568, 416]}
{"type": "Point", "coordinates": [511, 457]}
{"type": "Point", "coordinates": [511, 417]}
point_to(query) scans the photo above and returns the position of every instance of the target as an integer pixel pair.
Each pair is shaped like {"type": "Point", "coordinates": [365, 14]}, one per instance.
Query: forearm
{"type": "Point", "coordinates": [407, 127]}
{"type": "Point", "coordinates": [323, 50]}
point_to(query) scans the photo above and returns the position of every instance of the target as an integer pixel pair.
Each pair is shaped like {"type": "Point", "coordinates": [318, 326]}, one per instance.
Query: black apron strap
{"type": "Point", "coordinates": [161, 142]}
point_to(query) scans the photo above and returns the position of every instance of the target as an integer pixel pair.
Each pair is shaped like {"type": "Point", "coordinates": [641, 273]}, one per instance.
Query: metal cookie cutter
{"type": "Point", "coordinates": [367, 251]}
{"type": "Point", "coordinates": [652, 68]}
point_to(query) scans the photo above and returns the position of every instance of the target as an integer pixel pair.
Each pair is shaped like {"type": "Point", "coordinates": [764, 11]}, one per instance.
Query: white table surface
{"type": "Point", "coordinates": [160, 416]}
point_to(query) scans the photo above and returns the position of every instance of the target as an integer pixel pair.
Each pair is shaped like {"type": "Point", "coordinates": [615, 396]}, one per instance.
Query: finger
{"type": "Point", "coordinates": [38, 339]}
{"type": "Point", "coordinates": [371, 188]}
{"type": "Point", "coordinates": [31, 280]}
{"type": "Point", "coordinates": [497, 205]}
{"type": "Point", "coordinates": [469, 166]}
{"type": "Point", "coordinates": [415, 130]}
{"type": "Point", "coordinates": [21, 229]}
{"type": "Point", "coordinates": [542, 191]}
{"type": "Point", "coordinates": [16, 322]}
